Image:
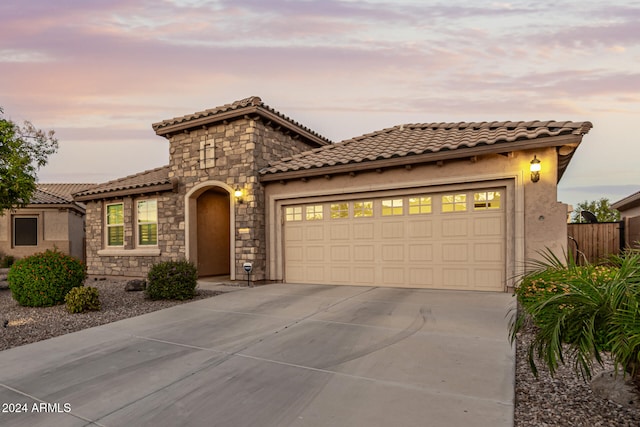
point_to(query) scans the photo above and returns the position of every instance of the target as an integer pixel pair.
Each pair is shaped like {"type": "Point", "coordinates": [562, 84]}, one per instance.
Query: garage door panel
{"type": "Point", "coordinates": [294, 234]}
{"type": "Point", "coordinates": [488, 252]}
{"type": "Point", "coordinates": [314, 232]}
{"type": "Point", "coordinates": [421, 277]}
{"type": "Point", "coordinates": [339, 232]}
{"type": "Point", "coordinates": [315, 253]}
{"type": "Point", "coordinates": [485, 279]}
{"type": "Point", "coordinates": [364, 274]}
{"type": "Point", "coordinates": [315, 274]}
{"type": "Point", "coordinates": [391, 253]}
{"type": "Point", "coordinates": [364, 253]}
{"type": "Point", "coordinates": [393, 275]}
{"type": "Point", "coordinates": [420, 229]}
{"type": "Point", "coordinates": [340, 274]}
{"type": "Point", "coordinates": [340, 253]}
{"type": "Point", "coordinates": [421, 252]}
{"type": "Point", "coordinates": [455, 252]}
{"type": "Point", "coordinates": [393, 230]}
{"type": "Point", "coordinates": [417, 243]}
{"type": "Point", "coordinates": [488, 226]}
{"type": "Point", "coordinates": [363, 231]}
{"type": "Point", "coordinates": [455, 227]}
{"type": "Point", "coordinates": [455, 278]}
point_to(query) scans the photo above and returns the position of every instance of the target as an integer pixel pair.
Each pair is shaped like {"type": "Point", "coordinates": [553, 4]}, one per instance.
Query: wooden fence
{"type": "Point", "coordinates": [595, 241]}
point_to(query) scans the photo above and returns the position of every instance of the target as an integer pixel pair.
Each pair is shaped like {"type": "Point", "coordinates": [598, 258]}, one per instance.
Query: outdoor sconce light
{"type": "Point", "coordinates": [535, 169]}
{"type": "Point", "coordinates": [238, 195]}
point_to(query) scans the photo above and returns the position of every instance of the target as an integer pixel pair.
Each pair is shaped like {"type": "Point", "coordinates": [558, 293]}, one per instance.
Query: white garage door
{"type": "Point", "coordinates": [452, 240]}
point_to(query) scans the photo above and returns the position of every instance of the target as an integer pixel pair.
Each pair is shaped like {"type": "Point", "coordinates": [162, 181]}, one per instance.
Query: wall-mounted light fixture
{"type": "Point", "coordinates": [535, 169]}
{"type": "Point", "coordinates": [238, 195]}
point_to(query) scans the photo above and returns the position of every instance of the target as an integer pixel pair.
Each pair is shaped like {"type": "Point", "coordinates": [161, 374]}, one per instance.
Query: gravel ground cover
{"type": "Point", "coordinates": [25, 325]}
{"type": "Point", "coordinates": [562, 400]}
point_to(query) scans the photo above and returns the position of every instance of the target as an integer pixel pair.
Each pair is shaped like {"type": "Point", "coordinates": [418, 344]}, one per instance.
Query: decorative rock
{"type": "Point", "coordinates": [616, 388]}
{"type": "Point", "coordinates": [135, 285]}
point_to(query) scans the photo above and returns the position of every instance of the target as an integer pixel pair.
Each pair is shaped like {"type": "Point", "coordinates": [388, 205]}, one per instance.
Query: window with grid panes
{"type": "Point", "coordinates": [392, 207]}
{"type": "Point", "coordinates": [339, 210]}
{"type": "Point", "coordinates": [419, 205]}
{"type": "Point", "coordinates": [454, 202]}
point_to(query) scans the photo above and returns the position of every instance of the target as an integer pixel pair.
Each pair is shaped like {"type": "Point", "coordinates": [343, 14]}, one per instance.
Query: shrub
{"type": "Point", "coordinates": [82, 299]}
{"type": "Point", "coordinates": [7, 261]}
{"type": "Point", "coordinates": [44, 279]}
{"type": "Point", "coordinates": [582, 312]}
{"type": "Point", "coordinates": [172, 280]}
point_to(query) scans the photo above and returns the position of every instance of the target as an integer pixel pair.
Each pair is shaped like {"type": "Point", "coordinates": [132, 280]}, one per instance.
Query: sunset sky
{"type": "Point", "coordinates": [100, 72]}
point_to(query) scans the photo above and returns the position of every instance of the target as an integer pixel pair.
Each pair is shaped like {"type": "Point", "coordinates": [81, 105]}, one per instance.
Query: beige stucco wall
{"type": "Point", "coordinates": [535, 219]}
{"type": "Point", "coordinates": [57, 229]}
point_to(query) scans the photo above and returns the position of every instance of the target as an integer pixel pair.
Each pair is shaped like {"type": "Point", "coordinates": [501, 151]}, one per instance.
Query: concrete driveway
{"type": "Point", "coordinates": [277, 355]}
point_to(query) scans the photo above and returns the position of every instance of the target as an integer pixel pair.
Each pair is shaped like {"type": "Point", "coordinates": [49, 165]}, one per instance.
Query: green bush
{"type": "Point", "coordinates": [82, 299]}
{"type": "Point", "coordinates": [172, 280]}
{"type": "Point", "coordinates": [581, 312]}
{"type": "Point", "coordinates": [7, 261]}
{"type": "Point", "coordinates": [44, 279]}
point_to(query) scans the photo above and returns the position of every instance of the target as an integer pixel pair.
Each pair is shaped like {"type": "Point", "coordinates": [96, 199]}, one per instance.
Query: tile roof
{"type": "Point", "coordinates": [423, 139]}
{"type": "Point", "coordinates": [252, 104]}
{"type": "Point", "coordinates": [62, 191]}
{"type": "Point", "coordinates": [141, 182]}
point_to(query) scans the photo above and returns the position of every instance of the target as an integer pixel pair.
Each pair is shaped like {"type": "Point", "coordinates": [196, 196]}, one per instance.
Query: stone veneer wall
{"type": "Point", "coordinates": [242, 148]}
{"type": "Point", "coordinates": [170, 237]}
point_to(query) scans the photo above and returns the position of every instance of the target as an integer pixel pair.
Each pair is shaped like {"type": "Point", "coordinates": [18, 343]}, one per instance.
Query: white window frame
{"type": "Point", "coordinates": [138, 224]}
{"type": "Point", "coordinates": [107, 225]}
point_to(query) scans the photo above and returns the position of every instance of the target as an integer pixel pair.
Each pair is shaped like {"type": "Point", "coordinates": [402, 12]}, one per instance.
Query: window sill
{"type": "Point", "coordinates": [130, 252]}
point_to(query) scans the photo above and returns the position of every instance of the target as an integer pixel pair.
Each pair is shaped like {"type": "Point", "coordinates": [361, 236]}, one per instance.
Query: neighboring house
{"type": "Point", "coordinates": [629, 209]}
{"type": "Point", "coordinates": [434, 205]}
{"type": "Point", "coordinates": [52, 219]}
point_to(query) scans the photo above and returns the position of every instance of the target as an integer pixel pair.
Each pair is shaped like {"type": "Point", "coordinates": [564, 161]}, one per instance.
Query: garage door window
{"type": "Point", "coordinates": [363, 209]}
{"type": "Point", "coordinates": [339, 210]}
{"type": "Point", "coordinates": [314, 212]}
{"type": "Point", "coordinates": [485, 200]}
{"type": "Point", "coordinates": [454, 202]}
{"type": "Point", "coordinates": [293, 213]}
{"type": "Point", "coordinates": [392, 207]}
{"type": "Point", "coordinates": [419, 205]}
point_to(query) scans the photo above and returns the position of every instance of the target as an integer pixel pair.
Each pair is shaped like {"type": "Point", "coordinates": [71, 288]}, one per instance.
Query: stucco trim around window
{"type": "Point", "coordinates": [130, 252]}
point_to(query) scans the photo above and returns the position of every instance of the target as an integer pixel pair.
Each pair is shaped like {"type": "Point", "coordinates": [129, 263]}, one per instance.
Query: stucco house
{"type": "Point", "coordinates": [433, 205]}
{"type": "Point", "coordinates": [52, 219]}
{"type": "Point", "coordinates": [629, 208]}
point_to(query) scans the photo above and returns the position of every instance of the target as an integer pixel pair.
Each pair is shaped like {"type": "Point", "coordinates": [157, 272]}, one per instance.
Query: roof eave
{"type": "Point", "coordinates": [459, 153]}
{"type": "Point", "coordinates": [166, 131]}
{"type": "Point", "coordinates": [157, 188]}
{"type": "Point", "coordinates": [628, 202]}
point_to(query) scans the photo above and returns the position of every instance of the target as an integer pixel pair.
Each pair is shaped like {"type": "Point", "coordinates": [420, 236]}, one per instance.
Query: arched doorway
{"type": "Point", "coordinates": [213, 232]}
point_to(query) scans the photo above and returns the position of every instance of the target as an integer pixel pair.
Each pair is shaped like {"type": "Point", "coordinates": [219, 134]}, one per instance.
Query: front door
{"type": "Point", "coordinates": [213, 233]}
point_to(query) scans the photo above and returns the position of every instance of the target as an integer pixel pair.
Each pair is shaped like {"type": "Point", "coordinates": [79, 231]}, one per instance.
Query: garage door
{"type": "Point", "coordinates": [453, 240]}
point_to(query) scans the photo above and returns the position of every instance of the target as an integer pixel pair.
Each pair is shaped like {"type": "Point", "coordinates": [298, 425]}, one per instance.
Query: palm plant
{"type": "Point", "coordinates": [581, 312]}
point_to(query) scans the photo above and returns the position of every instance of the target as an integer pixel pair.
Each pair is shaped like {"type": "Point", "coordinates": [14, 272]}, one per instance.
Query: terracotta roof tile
{"type": "Point", "coordinates": [63, 191]}
{"type": "Point", "coordinates": [143, 180]}
{"type": "Point", "coordinates": [239, 107]}
{"type": "Point", "coordinates": [423, 138]}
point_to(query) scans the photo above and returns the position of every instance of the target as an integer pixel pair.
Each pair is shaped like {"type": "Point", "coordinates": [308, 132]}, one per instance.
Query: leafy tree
{"type": "Point", "coordinates": [600, 208]}
{"type": "Point", "coordinates": [23, 150]}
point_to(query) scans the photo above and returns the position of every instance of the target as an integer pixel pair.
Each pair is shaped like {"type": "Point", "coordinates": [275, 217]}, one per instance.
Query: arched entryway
{"type": "Point", "coordinates": [209, 229]}
{"type": "Point", "coordinates": [213, 233]}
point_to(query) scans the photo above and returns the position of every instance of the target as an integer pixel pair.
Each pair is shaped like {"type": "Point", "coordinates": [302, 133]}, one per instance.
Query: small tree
{"type": "Point", "coordinates": [600, 208]}
{"type": "Point", "coordinates": [23, 150]}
